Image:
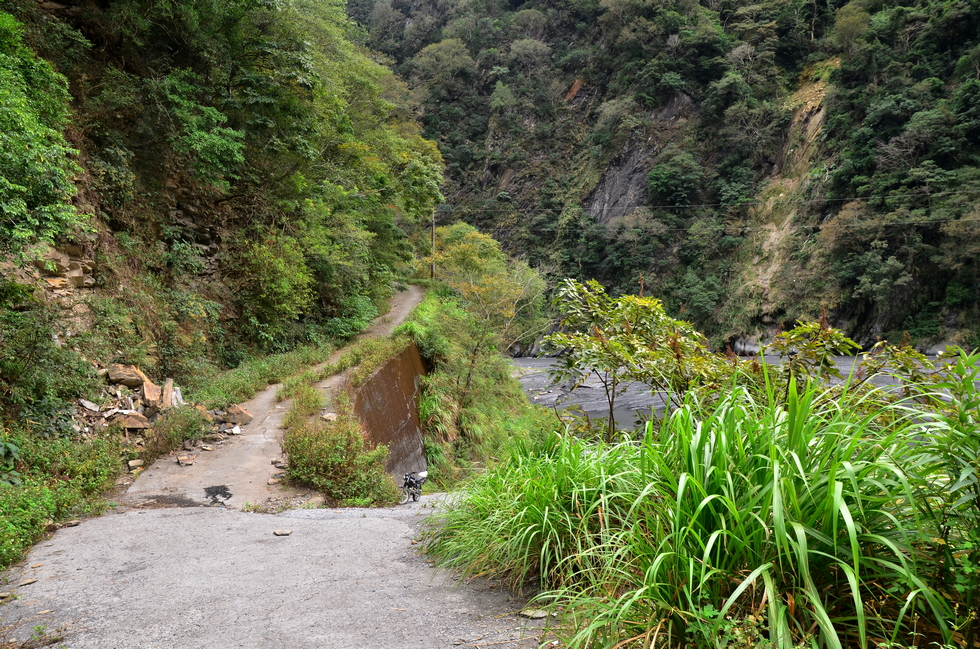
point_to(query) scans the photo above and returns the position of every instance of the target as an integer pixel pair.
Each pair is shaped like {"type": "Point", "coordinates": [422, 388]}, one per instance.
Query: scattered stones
{"type": "Point", "coordinates": [135, 464]}
{"type": "Point", "coordinates": [534, 613]}
{"type": "Point", "coordinates": [205, 447]}
{"type": "Point", "coordinates": [88, 405]}
{"type": "Point", "coordinates": [188, 445]}
{"type": "Point", "coordinates": [27, 582]}
{"type": "Point", "coordinates": [237, 415]}
{"type": "Point", "coordinates": [273, 481]}
{"type": "Point", "coordinates": [128, 375]}
{"type": "Point", "coordinates": [186, 460]}
{"type": "Point", "coordinates": [204, 411]}
{"type": "Point", "coordinates": [5, 595]}
{"type": "Point", "coordinates": [283, 532]}
{"type": "Point", "coordinates": [329, 416]}
{"type": "Point", "coordinates": [236, 430]}
{"type": "Point", "coordinates": [72, 523]}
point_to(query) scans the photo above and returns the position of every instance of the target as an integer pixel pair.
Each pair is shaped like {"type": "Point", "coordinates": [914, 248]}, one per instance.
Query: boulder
{"type": "Point", "coordinates": [134, 420]}
{"type": "Point", "coordinates": [128, 375]}
{"type": "Point", "coordinates": [167, 399]}
{"type": "Point", "coordinates": [237, 415]}
{"type": "Point", "coordinates": [152, 394]}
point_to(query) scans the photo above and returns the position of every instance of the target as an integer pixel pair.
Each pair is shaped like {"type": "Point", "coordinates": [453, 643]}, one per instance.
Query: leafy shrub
{"type": "Point", "coordinates": [676, 179]}
{"type": "Point", "coordinates": [60, 478]}
{"type": "Point", "coordinates": [173, 427]}
{"type": "Point", "coordinates": [333, 459]}
{"type": "Point", "coordinates": [37, 372]}
{"type": "Point", "coordinates": [35, 163]}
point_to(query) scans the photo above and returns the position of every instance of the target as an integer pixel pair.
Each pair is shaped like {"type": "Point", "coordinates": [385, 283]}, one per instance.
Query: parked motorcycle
{"type": "Point", "coordinates": [413, 486]}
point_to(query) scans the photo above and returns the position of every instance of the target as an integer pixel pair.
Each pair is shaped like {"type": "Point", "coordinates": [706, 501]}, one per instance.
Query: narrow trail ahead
{"type": "Point", "coordinates": [164, 571]}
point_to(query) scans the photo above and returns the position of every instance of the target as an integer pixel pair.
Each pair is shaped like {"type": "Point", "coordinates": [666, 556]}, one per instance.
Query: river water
{"type": "Point", "coordinates": [634, 405]}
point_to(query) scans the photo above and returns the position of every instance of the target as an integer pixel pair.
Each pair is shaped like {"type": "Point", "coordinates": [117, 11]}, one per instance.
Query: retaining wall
{"type": "Point", "coordinates": [387, 405]}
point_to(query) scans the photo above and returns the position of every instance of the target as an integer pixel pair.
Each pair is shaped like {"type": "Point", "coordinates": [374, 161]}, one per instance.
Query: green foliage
{"type": "Point", "coordinates": [213, 151]}
{"type": "Point", "coordinates": [278, 287]}
{"type": "Point", "coordinates": [36, 168]}
{"type": "Point", "coordinates": [676, 179]}
{"type": "Point", "coordinates": [797, 512]}
{"type": "Point", "coordinates": [467, 411]}
{"type": "Point", "coordinates": [626, 339]}
{"type": "Point", "coordinates": [174, 427]}
{"type": "Point", "coordinates": [58, 479]}
{"type": "Point", "coordinates": [38, 373]}
{"type": "Point", "coordinates": [503, 298]}
{"type": "Point", "coordinates": [332, 458]}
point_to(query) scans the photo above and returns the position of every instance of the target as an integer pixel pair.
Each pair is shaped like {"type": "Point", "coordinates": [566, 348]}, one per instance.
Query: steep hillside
{"type": "Point", "coordinates": [199, 181]}
{"type": "Point", "coordinates": [749, 163]}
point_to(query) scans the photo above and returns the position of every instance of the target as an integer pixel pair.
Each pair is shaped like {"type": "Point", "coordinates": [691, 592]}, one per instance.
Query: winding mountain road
{"type": "Point", "coordinates": [165, 570]}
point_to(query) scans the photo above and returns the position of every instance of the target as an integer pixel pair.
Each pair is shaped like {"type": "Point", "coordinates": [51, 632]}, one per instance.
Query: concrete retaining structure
{"type": "Point", "coordinates": [387, 405]}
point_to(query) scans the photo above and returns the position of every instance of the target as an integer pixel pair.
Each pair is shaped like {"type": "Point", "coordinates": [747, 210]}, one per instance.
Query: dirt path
{"type": "Point", "coordinates": [161, 571]}
{"type": "Point", "coordinates": [239, 470]}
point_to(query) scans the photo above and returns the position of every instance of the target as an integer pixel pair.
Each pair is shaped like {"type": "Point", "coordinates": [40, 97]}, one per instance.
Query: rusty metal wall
{"type": "Point", "coordinates": [387, 406]}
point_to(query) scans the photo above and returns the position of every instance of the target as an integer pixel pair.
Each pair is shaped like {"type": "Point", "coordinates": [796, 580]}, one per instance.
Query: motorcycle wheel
{"type": "Point", "coordinates": [404, 497]}
{"type": "Point", "coordinates": [415, 494]}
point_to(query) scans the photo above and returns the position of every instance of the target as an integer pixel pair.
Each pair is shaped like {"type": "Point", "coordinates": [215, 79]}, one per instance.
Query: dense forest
{"type": "Point", "coordinates": [217, 179]}
{"type": "Point", "coordinates": [751, 163]}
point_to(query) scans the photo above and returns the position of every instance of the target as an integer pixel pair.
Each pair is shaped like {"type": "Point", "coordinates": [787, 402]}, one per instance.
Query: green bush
{"type": "Point", "coordinates": [60, 478]}
{"type": "Point", "coordinates": [35, 160]}
{"type": "Point", "coordinates": [333, 459]}
{"type": "Point", "coordinates": [173, 427]}
{"type": "Point", "coordinates": [38, 373]}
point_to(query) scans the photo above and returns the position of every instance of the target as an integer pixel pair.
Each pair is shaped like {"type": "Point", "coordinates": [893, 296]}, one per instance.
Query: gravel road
{"type": "Point", "coordinates": [164, 569]}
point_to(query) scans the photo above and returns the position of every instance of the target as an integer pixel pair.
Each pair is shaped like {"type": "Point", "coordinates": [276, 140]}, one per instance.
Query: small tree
{"type": "Point", "coordinates": [627, 339]}
{"type": "Point", "coordinates": [505, 297]}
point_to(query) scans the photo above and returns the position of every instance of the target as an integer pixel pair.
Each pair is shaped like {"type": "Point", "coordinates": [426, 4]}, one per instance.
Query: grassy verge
{"type": "Point", "coordinates": [753, 522]}
{"type": "Point", "coordinates": [51, 480]}
{"type": "Point", "coordinates": [241, 383]}
{"type": "Point", "coordinates": [467, 419]}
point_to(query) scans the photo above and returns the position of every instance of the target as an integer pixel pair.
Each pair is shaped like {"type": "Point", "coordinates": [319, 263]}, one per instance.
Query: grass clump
{"type": "Point", "coordinates": [333, 458]}
{"type": "Point", "coordinates": [797, 521]}
{"type": "Point", "coordinates": [173, 427]}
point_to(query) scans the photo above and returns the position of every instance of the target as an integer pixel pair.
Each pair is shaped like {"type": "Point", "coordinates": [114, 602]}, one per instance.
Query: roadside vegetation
{"type": "Point", "coordinates": [190, 188]}
{"type": "Point", "coordinates": [769, 506]}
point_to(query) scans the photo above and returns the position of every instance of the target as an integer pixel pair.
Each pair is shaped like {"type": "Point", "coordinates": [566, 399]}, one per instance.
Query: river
{"type": "Point", "coordinates": [635, 404]}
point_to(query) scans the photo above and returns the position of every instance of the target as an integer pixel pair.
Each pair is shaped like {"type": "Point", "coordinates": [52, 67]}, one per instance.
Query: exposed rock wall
{"type": "Point", "coordinates": [386, 403]}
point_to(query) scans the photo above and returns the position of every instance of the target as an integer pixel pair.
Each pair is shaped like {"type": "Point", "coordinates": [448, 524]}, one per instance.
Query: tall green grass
{"type": "Point", "coordinates": [791, 522]}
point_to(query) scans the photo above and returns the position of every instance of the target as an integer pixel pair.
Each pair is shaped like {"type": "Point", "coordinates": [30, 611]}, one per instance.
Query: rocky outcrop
{"type": "Point", "coordinates": [66, 268]}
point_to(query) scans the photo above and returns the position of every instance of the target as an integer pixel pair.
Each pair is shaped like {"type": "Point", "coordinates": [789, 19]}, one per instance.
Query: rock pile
{"type": "Point", "coordinates": [134, 403]}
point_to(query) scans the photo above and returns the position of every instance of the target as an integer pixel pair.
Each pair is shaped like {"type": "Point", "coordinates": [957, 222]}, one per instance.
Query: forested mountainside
{"type": "Point", "coordinates": [193, 182]}
{"type": "Point", "coordinates": [750, 162]}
